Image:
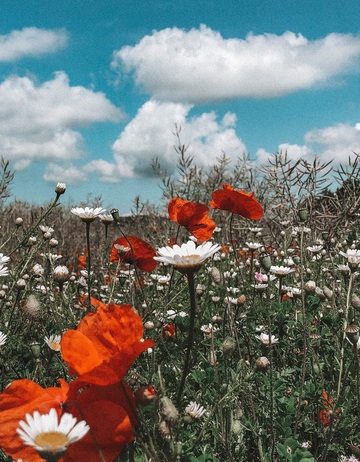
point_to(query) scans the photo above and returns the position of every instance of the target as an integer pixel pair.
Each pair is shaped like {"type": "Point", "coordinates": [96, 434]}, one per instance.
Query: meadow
{"type": "Point", "coordinates": [239, 341]}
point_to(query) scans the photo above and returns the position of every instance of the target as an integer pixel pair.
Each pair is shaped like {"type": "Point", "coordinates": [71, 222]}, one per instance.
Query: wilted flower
{"type": "Point", "coordinates": [49, 436]}
{"type": "Point", "coordinates": [187, 258]}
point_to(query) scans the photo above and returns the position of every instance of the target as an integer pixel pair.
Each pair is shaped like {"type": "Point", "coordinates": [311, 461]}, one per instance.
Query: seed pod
{"type": "Point", "coordinates": [168, 411]}
{"type": "Point", "coordinates": [328, 293]}
{"type": "Point", "coordinates": [215, 275]}
{"type": "Point", "coordinates": [355, 302]}
{"type": "Point", "coordinates": [228, 345]}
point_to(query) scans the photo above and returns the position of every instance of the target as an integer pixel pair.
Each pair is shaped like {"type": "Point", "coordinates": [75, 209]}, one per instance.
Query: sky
{"type": "Point", "coordinates": [91, 92]}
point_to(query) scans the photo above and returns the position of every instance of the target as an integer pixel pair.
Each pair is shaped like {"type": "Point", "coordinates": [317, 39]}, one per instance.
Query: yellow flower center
{"type": "Point", "coordinates": [51, 440]}
{"type": "Point", "coordinates": [54, 345]}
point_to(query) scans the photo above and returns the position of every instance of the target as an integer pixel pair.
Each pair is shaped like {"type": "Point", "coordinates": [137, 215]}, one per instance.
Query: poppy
{"type": "Point", "coordinates": [193, 217]}
{"type": "Point", "coordinates": [237, 202]}
{"type": "Point", "coordinates": [110, 413]}
{"type": "Point", "coordinates": [105, 344]}
{"type": "Point", "coordinates": [169, 330]}
{"type": "Point", "coordinates": [328, 409]}
{"type": "Point", "coordinates": [135, 251]}
{"type": "Point", "coordinates": [22, 397]}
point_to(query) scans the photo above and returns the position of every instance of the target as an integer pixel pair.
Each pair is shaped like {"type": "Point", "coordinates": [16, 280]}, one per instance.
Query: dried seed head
{"type": "Point", "coordinates": [168, 411]}
{"type": "Point", "coordinates": [32, 306]}
{"type": "Point", "coordinates": [329, 294]}
{"type": "Point", "coordinates": [352, 333]}
{"type": "Point", "coordinates": [228, 345]}
{"type": "Point", "coordinates": [241, 300]}
{"type": "Point", "coordinates": [262, 363]}
{"type": "Point", "coordinates": [355, 302]}
{"type": "Point", "coordinates": [164, 429]}
{"type": "Point", "coordinates": [215, 275]}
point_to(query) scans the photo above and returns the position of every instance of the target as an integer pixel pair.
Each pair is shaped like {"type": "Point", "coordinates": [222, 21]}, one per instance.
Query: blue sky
{"type": "Point", "coordinates": [90, 91]}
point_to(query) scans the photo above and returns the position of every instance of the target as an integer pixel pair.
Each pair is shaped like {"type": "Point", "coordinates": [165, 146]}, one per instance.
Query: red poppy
{"type": "Point", "coordinates": [135, 251]}
{"type": "Point", "coordinates": [110, 413]}
{"type": "Point", "coordinates": [169, 330]}
{"type": "Point", "coordinates": [105, 344]}
{"type": "Point", "coordinates": [193, 217]}
{"type": "Point", "coordinates": [145, 395]}
{"type": "Point", "coordinates": [22, 397]}
{"type": "Point", "coordinates": [237, 202]}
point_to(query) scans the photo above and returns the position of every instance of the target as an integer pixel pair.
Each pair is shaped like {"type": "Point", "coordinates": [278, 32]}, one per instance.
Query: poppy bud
{"type": "Point", "coordinates": [303, 214]}
{"type": "Point", "coordinates": [145, 395]}
{"type": "Point", "coordinates": [115, 215]}
{"type": "Point", "coordinates": [265, 261]}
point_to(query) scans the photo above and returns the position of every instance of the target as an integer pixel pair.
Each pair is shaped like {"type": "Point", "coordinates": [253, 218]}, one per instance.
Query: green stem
{"type": "Point", "coordinates": [346, 315]}
{"type": "Point", "coordinates": [88, 263]}
{"type": "Point", "coordinates": [190, 341]}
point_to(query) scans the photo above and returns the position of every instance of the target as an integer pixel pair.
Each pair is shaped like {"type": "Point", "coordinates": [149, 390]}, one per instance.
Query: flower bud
{"type": "Point", "coordinates": [303, 214]}
{"type": "Point", "coordinates": [228, 345]}
{"type": "Point", "coordinates": [60, 188]}
{"type": "Point", "coordinates": [215, 275]}
{"type": "Point", "coordinates": [262, 363]}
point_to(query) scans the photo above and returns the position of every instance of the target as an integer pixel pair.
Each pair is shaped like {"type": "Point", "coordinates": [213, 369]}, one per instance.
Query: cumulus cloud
{"type": "Point", "coordinates": [70, 174]}
{"type": "Point", "coordinates": [38, 121]}
{"type": "Point", "coordinates": [151, 135]}
{"type": "Point", "coordinates": [31, 41]}
{"type": "Point", "coordinates": [199, 65]}
{"type": "Point", "coordinates": [335, 143]}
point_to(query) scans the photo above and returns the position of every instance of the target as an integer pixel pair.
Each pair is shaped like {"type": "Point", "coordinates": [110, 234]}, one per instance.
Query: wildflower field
{"type": "Point", "coordinates": [220, 326]}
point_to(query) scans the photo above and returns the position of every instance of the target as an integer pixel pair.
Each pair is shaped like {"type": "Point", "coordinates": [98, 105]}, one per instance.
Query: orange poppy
{"type": "Point", "coordinates": [237, 202]}
{"type": "Point", "coordinates": [193, 217]}
{"type": "Point", "coordinates": [136, 252]}
{"type": "Point", "coordinates": [105, 344]}
{"type": "Point", "coordinates": [110, 413]}
{"type": "Point", "coordinates": [325, 413]}
{"type": "Point", "coordinates": [22, 397]}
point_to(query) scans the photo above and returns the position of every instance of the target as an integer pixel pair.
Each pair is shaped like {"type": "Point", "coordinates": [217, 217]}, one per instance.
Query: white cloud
{"type": "Point", "coordinates": [69, 174]}
{"type": "Point", "coordinates": [151, 134]}
{"type": "Point", "coordinates": [335, 143]}
{"type": "Point", "coordinates": [31, 41]}
{"type": "Point", "coordinates": [200, 65]}
{"type": "Point", "coordinates": [37, 121]}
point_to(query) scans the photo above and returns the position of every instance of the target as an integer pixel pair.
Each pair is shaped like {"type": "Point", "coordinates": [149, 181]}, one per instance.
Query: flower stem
{"type": "Point", "coordinates": [190, 340]}
{"type": "Point", "coordinates": [88, 264]}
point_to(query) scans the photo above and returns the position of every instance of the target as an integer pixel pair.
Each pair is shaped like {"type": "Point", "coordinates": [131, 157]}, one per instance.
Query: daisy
{"type": "Point", "coordinates": [4, 259]}
{"type": "Point", "coordinates": [281, 271]}
{"type": "Point", "coordinates": [253, 245]}
{"type": "Point", "coordinates": [49, 436]}
{"type": "Point", "coordinates": [88, 214]}
{"type": "Point", "coordinates": [53, 342]}
{"type": "Point", "coordinates": [194, 410]}
{"type": "Point", "coordinates": [187, 258]}
{"type": "Point", "coordinates": [266, 340]}
{"type": "Point", "coordinates": [4, 271]}
{"type": "Point", "coordinates": [3, 338]}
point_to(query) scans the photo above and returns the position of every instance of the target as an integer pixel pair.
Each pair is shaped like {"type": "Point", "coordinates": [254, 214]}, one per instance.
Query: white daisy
{"type": "Point", "coordinates": [194, 410]}
{"type": "Point", "coordinates": [88, 214]}
{"type": "Point", "coordinates": [280, 271]}
{"type": "Point", "coordinates": [266, 340]}
{"type": "Point", "coordinates": [53, 342]}
{"type": "Point", "coordinates": [4, 271]}
{"type": "Point", "coordinates": [253, 245]}
{"type": "Point", "coordinates": [49, 436]}
{"type": "Point", "coordinates": [188, 257]}
{"type": "Point", "coordinates": [3, 338]}
{"type": "Point", "coordinates": [4, 259]}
